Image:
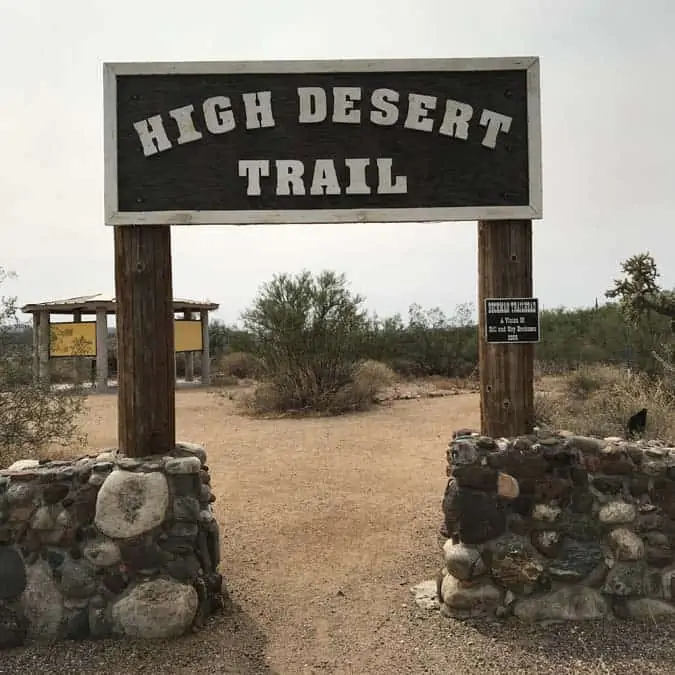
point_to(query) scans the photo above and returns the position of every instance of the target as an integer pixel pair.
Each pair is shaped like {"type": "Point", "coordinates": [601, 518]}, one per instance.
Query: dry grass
{"type": "Point", "coordinates": [598, 400]}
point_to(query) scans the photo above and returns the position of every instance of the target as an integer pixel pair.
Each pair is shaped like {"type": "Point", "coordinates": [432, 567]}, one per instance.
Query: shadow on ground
{"type": "Point", "coordinates": [230, 644]}
{"type": "Point", "coordinates": [610, 645]}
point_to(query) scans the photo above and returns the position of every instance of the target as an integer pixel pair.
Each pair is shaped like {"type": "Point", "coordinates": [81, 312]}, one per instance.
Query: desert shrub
{"type": "Point", "coordinates": [32, 414]}
{"type": "Point", "coordinates": [309, 333]}
{"type": "Point", "coordinates": [241, 365]}
{"type": "Point", "coordinates": [598, 401]}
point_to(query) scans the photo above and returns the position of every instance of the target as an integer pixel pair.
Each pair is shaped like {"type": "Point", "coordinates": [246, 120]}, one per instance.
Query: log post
{"type": "Point", "coordinates": [145, 340]}
{"type": "Point", "coordinates": [506, 370]}
{"type": "Point", "coordinates": [189, 356]}
{"type": "Point", "coordinates": [36, 347]}
{"type": "Point", "coordinates": [44, 341]}
{"type": "Point", "coordinates": [206, 350]}
{"type": "Point", "coordinates": [101, 350]}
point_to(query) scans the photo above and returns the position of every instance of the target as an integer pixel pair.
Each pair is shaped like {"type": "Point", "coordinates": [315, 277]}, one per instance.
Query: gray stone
{"type": "Point", "coordinates": [463, 451]}
{"type": "Point", "coordinates": [77, 578]}
{"type": "Point", "coordinates": [12, 573]}
{"type": "Point", "coordinates": [626, 545]}
{"type": "Point", "coordinates": [547, 542]}
{"type": "Point", "coordinates": [182, 465]}
{"type": "Point", "coordinates": [649, 608]}
{"type": "Point", "coordinates": [129, 504]}
{"type": "Point", "coordinates": [41, 602]}
{"type": "Point", "coordinates": [23, 465]}
{"type": "Point", "coordinates": [463, 562]}
{"type": "Point", "coordinates": [161, 608]}
{"type": "Point", "coordinates": [617, 513]}
{"type": "Point", "coordinates": [573, 603]}
{"type": "Point", "coordinates": [625, 579]}
{"type": "Point", "coordinates": [515, 564]}
{"type": "Point", "coordinates": [576, 560]}
{"type": "Point", "coordinates": [100, 621]}
{"type": "Point", "coordinates": [478, 598]}
{"type": "Point", "coordinates": [102, 552]}
{"type": "Point", "coordinates": [128, 464]}
{"type": "Point", "coordinates": [186, 509]}
{"type": "Point", "coordinates": [482, 516]}
{"type": "Point", "coordinates": [425, 595]}
{"type": "Point", "coordinates": [668, 583]}
{"type": "Point", "coordinates": [97, 479]}
{"type": "Point", "coordinates": [546, 513]}
{"type": "Point", "coordinates": [186, 568]}
{"type": "Point", "coordinates": [192, 449]}
{"type": "Point", "coordinates": [13, 628]}
{"type": "Point", "coordinates": [44, 519]}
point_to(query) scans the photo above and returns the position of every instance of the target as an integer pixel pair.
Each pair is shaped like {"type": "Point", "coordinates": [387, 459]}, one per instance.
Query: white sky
{"type": "Point", "coordinates": [608, 89]}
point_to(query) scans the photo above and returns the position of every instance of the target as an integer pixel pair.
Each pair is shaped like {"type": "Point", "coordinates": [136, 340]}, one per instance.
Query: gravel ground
{"type": "Point", "coordinates": [326, 525]}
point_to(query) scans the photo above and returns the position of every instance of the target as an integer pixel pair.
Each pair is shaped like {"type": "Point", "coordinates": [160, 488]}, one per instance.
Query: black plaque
{"type": "Point", "coordinates": [512, 320]}
{"type": "Point", "coordinates": [399, 141]}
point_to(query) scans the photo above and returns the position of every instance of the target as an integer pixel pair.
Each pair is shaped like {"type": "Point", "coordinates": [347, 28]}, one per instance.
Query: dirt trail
{"type": "Point", "coordinates": [326, 523]}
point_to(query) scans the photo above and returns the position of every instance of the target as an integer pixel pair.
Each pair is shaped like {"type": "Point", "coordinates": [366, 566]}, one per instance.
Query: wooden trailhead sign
{"type": "Point", "coordinates": [334, 141]}
{"type": "Point", "coordinates": [283, 142]}
{"type": "Point", "coordinates": [512, 320]}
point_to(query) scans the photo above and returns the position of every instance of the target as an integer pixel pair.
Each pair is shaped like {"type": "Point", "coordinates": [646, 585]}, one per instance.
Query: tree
{"type": "Point", "coordinates": [32, 414]}
{"type": "Point", "coordinates": [309, 334]}
{"type": "Point", "coordinates": [641, 297]}
{"type": "Point", "coordinates": [639, 292]}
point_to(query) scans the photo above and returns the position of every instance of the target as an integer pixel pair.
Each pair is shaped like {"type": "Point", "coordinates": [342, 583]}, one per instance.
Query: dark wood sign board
{"type": "Point", "coordinates": [276, 142]}
{"type": "Point", "coordinates": [512, 320]}
{"type": "Point", "coordinates": [324, 141]}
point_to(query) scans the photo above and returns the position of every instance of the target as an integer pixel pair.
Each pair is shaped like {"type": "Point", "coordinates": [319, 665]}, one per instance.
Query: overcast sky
{"type": "Point", "coordinates": [608, 96]}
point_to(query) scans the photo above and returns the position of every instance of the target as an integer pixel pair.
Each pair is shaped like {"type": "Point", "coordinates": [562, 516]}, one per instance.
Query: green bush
{"type": "Point", "coordinates": [32, 414]}
{"type": "Point", "coordinates": [309, 335]}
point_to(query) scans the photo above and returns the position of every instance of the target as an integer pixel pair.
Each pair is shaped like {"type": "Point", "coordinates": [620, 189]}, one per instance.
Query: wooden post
{"type": "Point", "coordinates": [506, 370]}
{"type": "Point", "coordinates": [145, 340]}
{"type": "Point", "coordinates": [206, 351]}
{"type": "Point", "coordinates": [44, 340]}
{"type": "Point", "coordinates": [77, 360]}
{"type": "Point", "coordinates": [36, 347]}
{"type": "Point", "coordinates": [101, 350]}
{"type": "Point", "coordinates": [189, 356]}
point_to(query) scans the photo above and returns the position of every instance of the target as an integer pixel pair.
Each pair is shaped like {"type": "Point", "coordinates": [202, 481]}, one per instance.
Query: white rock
{"type": "Point", "coordinates": [546, 513]}
{"type": "Point", "coordinates": [425, 595]}
{"type": "Point", "coordinates": [102, 552]}
{"type": "Point", "coordinates": [648, 608]}
{"type": "Point", "coordinates": [475, 598]}
{"type": "Point", "coordinates": [183, 465]}
{"type": "Point", "coordinates": [575, 603]}
{"type": "Point", "coordinates": [23, 464]}
{"type": "Point", "coordinates": [617, 513]}
{"type": "Point", "coordinates": [462, 561]}
{"type": "Point", "coordinates": [626, 545]}
{"type": "Point", "coordinates": [41, 602]}
{"type": "Point", "coordinates": [129, 504]}
{"type": "Point", "coordinates": [161, 608]}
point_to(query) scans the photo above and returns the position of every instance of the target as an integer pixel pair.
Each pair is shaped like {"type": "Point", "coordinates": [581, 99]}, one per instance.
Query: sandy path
{"type": "Point", "coordinates": [326, 524]}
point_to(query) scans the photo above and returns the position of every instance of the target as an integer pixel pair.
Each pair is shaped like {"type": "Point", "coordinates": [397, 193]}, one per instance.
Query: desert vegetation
{"type": "Point", "coordinates": [307, 345]}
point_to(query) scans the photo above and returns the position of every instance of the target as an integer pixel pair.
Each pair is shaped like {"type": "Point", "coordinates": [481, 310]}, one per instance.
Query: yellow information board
{"type": "Point", "coordinates": [72, 339]}
{"type": "Point", "coordinates": [187, 335]}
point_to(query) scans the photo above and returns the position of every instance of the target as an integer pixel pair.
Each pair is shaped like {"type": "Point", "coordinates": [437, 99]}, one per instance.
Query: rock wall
{"type": "Point", "coordinates": [107, 545]}
{"type": "Point", "coordinates": [553, 527]}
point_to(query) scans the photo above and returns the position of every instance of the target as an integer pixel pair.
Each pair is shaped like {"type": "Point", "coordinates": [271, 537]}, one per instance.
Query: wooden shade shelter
{"type": "Point", "coordinates": [101, 307]}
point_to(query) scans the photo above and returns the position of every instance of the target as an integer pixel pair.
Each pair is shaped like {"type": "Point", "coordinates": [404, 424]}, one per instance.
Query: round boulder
{"type": "Point", "coordinates": [129, 504]}
{"type": "Point", "coordinates": [157, 609]}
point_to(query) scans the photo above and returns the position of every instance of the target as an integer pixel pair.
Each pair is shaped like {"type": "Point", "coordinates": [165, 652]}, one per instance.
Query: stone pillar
{"type": "Point", "coordinates": [36, 347]}
{"type": "Point", "coordinates": [101, 350]}
{"type": "Point", "coordinates": [189, 356]}
{"type": "Point", "coordinates": [206, 352]}
{"type": "Point", "coordinates": [43, 342]}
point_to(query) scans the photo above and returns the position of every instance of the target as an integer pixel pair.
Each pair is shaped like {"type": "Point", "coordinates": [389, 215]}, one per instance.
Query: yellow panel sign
{"type": "Point", "coordinates": [188, 335]}
{"type": "Point", "coordinates": [72, 339]}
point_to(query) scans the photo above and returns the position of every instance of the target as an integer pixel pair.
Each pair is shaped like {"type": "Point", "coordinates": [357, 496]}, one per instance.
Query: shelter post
{"type": "Point", "coordinates": [101, 350]}
{"type": "Point", "coordinates": [43, 346]}
{"type": "Point", "coordinates": [189, 356]}
{"type": "Point", "coordinates": [206, 350]}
